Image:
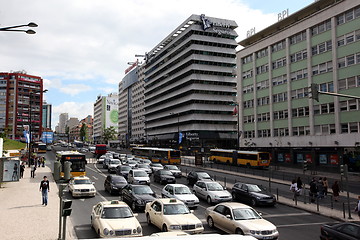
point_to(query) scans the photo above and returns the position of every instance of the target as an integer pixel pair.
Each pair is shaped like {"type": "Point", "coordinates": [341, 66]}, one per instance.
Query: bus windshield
{"type": "Point", "coordinates": [175, 153]}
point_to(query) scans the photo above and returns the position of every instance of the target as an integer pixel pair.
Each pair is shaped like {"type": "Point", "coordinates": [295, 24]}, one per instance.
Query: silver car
{"type": "Point", "coordinates": [212, 192]}
{"type": "Point", "coordinates": [182, 193]}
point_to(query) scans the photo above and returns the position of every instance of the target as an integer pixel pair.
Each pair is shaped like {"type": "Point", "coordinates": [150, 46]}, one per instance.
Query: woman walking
{"type": "Point", "coordinates": [336, 190]}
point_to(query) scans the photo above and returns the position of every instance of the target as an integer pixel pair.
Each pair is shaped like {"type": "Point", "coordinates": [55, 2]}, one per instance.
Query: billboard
{"type": "Point", "coordinates": [10, 170]}
{"type": "Point", "coordinates": [47, 137]}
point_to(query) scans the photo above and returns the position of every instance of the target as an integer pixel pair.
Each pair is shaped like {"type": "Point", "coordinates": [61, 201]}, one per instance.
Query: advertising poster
{"type": "Point", "coordinates": [287, 157]}
{"type": "Point", "coordinates": [280, 157]}
{"type": "Point", "coordinates": [323, 159]}
{"type": "Point", "coordinates": [300, 157]}
{"type": "Point", "coordinates": [334, 159]}
{"type": "Point", "coordinates": [308, 158]}
{"type": "Point", "coordinates": [10, 170]}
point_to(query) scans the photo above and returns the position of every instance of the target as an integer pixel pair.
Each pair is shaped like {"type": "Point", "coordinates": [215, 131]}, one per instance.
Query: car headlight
{"type": "Point", "coordinates": [106, 231]}
{"type": "Point", "coordinates": [198, 225]}
{"type": "Point", "coordinates": [92, 189]}
{"type": "Point", "coordinates": [175, 227]}
{"type": "Point", "coordinates": [258, 198]}
{"type": "Point", "coordinates": [138, 229]}
{"type": "Point", "coordinates": [76, 190]}
{"type": "Point", "coordinates": [111, 232]}
{"type": "Point", "coordinates": [114, 187]}
{"type": "Point", "coordinates": [139, 201]}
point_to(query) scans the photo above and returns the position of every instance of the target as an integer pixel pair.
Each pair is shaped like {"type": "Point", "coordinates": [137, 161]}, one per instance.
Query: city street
{"type": "Point", "coordinates": [291, 222]}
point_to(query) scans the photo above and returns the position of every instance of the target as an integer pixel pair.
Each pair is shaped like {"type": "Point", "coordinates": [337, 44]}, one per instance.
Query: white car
{"type": "Point", "coordinates": [113, 165]}
{"type": "Point", "coordinates": [114, 218]}
{"type": "Point", "coordinates": [81, 187]}
{"type": "Point", "coordinates": [101, 159]}
{"type": "Point", "coordinates": [145, 167]}
{"type": "Point", "coordinates": [138, 177]}
{"type": "Point", "coordinates": [212, 192]}
{"type": "Point", "coordinates": [174, 170]}
{"type": "Point", "coordinates": [169, 214]}
{"type": "Point", "coordinates": [156, 166]}
{"type": "Point", "coordinates": [238, 218]}
{"type": "Point", "coordinates": [182, 193]}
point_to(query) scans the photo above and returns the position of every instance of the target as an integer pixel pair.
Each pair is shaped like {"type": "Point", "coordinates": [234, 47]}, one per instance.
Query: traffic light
{"type": "Point", "coordinates": [314, 91]}
{"type": "Point", "coordinates": [66, 208]}
{"type": "Point", "coordinates": [305, 166]}
{"type": "Point", "coordinates": [343, 170]}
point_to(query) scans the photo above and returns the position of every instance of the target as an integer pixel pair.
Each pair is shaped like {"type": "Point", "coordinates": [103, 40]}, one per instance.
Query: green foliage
{"type": "Point", "coordinates": [83, 132]}
{"type": "Point", "coordinates": [109, 134]}
{"type": "Point", "coordinates": [12, 145]}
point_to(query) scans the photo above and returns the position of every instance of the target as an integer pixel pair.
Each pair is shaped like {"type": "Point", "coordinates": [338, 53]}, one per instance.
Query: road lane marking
{"type": "Point", "coordinates": [286, 215]}
{"type": "Point", "coordinates": [95, 178]}
{"type": "Point", "coordinates": [301, 224]}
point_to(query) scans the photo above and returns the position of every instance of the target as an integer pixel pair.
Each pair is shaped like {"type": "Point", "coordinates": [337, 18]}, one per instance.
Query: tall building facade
{"type": "Point", "coordinates": [46, 115]}
{"type": "Point", "coordinates": [320, 44]}
{"type": "Point", "coordinates": [21, 98]}
{"type": "Point", "coordinates": [105, 115]}
{"type": "Point", "coordinates": [190, 82]}
{"type": "Point", "coordinates": [63, 118]}
{"type": "Point", "coordinates": [131, 107]}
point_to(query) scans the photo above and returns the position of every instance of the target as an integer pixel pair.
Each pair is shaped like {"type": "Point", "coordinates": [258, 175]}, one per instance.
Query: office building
{"type": "Point", "coordinates": [46, 115]}
{"type": "Point", "coordinates": [190, 82]}
{"type": "Point", "coordinates": [105, 115]}
{"type": "Point", "coordinates": [63, 118]}
{"type": "Point", "coordinates": [21, 98]}
{"type": "Point", "coordinates": [319, 44]}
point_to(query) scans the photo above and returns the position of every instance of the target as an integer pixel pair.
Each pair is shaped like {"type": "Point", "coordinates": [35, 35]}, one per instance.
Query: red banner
{"type": "Point", "coordinates": [334, 159]}
{"type": "Point", "coordinates": [308, 158]}
{"type": "Point", "coordinates": [287, 157]}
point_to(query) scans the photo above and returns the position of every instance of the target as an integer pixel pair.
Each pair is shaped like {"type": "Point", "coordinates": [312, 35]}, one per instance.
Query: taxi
{"type": "Point", "coordinates": [113, 219]}
{"type": "Point", "coordinates": [81, 187]}
{"type": "Point", "coordinates": [169, 214]}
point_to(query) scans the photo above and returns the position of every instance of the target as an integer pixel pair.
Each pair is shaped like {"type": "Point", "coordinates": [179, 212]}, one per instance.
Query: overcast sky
{"type": "Point", "coordinates": [81, 47]}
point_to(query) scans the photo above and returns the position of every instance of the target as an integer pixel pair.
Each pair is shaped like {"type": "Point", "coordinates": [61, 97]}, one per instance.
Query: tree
{"type": "Point", "coordinates": [83, 132]}
{"type": "Point", "coordinates": [109, 134]}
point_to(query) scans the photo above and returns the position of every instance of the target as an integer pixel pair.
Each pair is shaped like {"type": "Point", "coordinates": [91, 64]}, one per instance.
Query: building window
{"type": "Point", "coordinates": [263, 117]}
{"type": "Point", "coordinates": [264, 133]}
{"type": "Point", "coordinates": [301, 131]}
{"type": "Point", "coordinates": [247, 59]}
{"type": "Point", "coordinates": [278, 46]}
{"type": "Point", "coordinates": [248, 89]}
{"type": "Point", "coordinates": [349, 60]}
{"type": "Point", "coordinates": [247, 74]}
{"type": "Point", "coordinates": [322, 68]}
{"type": "Point", "coordinates": [348, 16]}
{"type": "Point", "coordinates": [262, 85]}
{"type": "Point", "coordinates": [300, 74]}
{"type": "Point", "coordinates": [280, 132]}
{"type": "Point", "coordinates": [283, 114]}
{"type": "Point", "coordinates": [349, 83]}
{"type": "Point", "coordinates": [263, 101]}
{"type": "Point", "coordinates": [296, 57]}
{"type": "Point", "coordinates": [279, 63]}
{"type": "Point", "coordinates": [249, 104]}
{"type": "Point", "coordinates": [322, 27]}
{"type": "Point", "coordinates": [249, 134]}
{"type": "Point", "coordinates": [324, 108]}
{"type": "Point", "coordinates": [280, 97]}
{"type": "Point", "coordinates": [262, 53]}
{"type": "Point", "coordinates": [299, 93]}
{"type": "Point", "coordinates": [300, 112]}
{"type": "Point", "coordinates": [279, 80]}
{"type": "Point", "coordinates": [321, 48]}
{"type": "Point", "coordinates": [262, 69]}
{"type": "Point", "coordinates": [249, 119]}
{"type": "Point", "coordinates": [298, 38]}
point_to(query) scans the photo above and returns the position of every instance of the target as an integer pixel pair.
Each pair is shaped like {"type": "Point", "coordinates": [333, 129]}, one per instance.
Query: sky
{"type": "Point", "coordinates": [82, 47]}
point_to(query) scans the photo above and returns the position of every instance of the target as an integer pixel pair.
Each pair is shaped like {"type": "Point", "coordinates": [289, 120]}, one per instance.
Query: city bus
{"type": "Point", "coordinates": [160, 155]}
{"type": "Point", "coordinates": [78, 144]}
{"type": "Point", "coordinates": [39, 147]}
{"type": "Point", "coordinates": [78, 162]}
{"type": "Point", "coordinates": [100, 149]}
{"type": "Point", "coordinates": [240, 158]}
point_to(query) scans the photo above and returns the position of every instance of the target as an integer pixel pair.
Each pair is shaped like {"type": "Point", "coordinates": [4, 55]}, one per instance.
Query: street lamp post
{"type": "Point", "coordinates": [28, 31]}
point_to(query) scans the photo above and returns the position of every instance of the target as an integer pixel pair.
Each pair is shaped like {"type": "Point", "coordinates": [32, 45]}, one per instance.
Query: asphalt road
{"type": "Point", "coordinates": [292, 223]}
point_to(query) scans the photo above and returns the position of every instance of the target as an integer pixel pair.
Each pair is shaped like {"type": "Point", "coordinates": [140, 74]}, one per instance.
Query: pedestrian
{"type": "Point", "coordinates": [320, 188]}
{"type": "Point", "coordinates": [44, 188]}
{"type": "Point", "coordinates": [33, 169]}
{"type": "Point", "coordinates": [294, 189]}
{"type": "Point", "coordinates": [336, 190]}
{"type": "Point", "coordinates": [313, 190]}
{"type": "Point", "coordinates": [357, 208]}
{"type": "Point", "coordinates": [326, 186]}
{"type": "Point", "coordinates": [39, 161]}
{"type": "Point", "coordinates": [43, 161]}
{"type": "Point", "coordinates": [15, 172]}
{"type": "Point", "coordinates": [22, 169]}
{"type": "Point", "coordinates": [299, 184]}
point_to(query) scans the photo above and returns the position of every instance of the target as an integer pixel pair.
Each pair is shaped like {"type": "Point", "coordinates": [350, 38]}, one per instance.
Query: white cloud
{"type": "Point", "coordinates": [75, 109]}
{"type": "Point", "coordinates": [74, 89]}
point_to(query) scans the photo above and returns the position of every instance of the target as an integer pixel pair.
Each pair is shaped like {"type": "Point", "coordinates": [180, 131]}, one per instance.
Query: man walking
{"type": "Point", "coordinates": [22, 169]}
{"type": "Point", "coordinates": [44, 188]}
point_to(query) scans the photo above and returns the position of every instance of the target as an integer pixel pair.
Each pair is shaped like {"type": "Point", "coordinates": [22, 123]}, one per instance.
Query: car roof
{"type": "Point", "coordinates": [177, 185]}
{"type": "Point", "coordinates": [169, 201]}
{"type": "Point", "coordinates": [234, 205]}
{"type": "Point", "coordinates": [114, 203]}
{"type": "Point", "coordinates": [81, 178]}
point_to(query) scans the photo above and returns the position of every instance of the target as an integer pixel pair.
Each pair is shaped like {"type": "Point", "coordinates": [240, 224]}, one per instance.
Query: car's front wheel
{"type": "Point", "coordinates": [164, 228]}
{"type": "Point", "coordinates": [253, 202]}
{"type": "Point", "coordinates": [133, 206]}
{"type": "Point", "coordinates": [210, 222]}
{"type": "Point", "coordinates": [239, 231]}
{"type": "Point", "coordinates": [209, 201]}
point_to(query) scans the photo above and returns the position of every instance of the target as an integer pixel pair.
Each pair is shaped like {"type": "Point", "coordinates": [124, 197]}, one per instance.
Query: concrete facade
{"type": "Point", "coordinates": [318, 44]}
{"type": "Point", "coordinates": [190, 84]}
{"type": "Point", "coordinates": [63, 118]}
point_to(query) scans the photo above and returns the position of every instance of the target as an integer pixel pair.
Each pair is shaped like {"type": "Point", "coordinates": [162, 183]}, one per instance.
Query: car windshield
{"type": "Point", "coordinates": [245, 214]}
{"type": "Point", "coordinates": [125, 168]}
{"type": "Point", "coordinates": [116, 212]}
{"type": "Point", "coordinates": [254, 188]}
{"type": "Point", "coordinates": [157, 165]}
{"type": "Point", "coordinates": [119, 180]}
{"type": "Point", "coordinates": [115, 162]}
{"type": "Point", "coordinates": [172, 167]}
{"type": "Point", "coordinates": [140, 190]}
{"type": "Point", "coordinates": [83, 181]}
{"type": "Point", "coordinates": [173, 209]}
{"type": "Point", "coordinates": [164, 172]}
{"type": "Point", "coordinates": [143, 166]}
{"type": "Point", "coordinates": [132, 162]}
{"type": "Point", "coordinates": [203, 175]}
{"type": "Point", "coordinates": [214, 186]}
{"type": "Point", "coordinates": [140, 174]}
{"type": "Point", "coordinates": [182, 190]}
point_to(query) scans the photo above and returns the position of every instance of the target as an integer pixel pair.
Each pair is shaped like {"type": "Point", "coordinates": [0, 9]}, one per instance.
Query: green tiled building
{"type": "Point", "coordinates": [318, 44]}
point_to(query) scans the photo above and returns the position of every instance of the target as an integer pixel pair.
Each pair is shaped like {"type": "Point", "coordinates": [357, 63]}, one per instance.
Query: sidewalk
{"type": "Point", "coordinates": [323, 210]}
{"type": "Point", "coordinates": [22, 215]}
